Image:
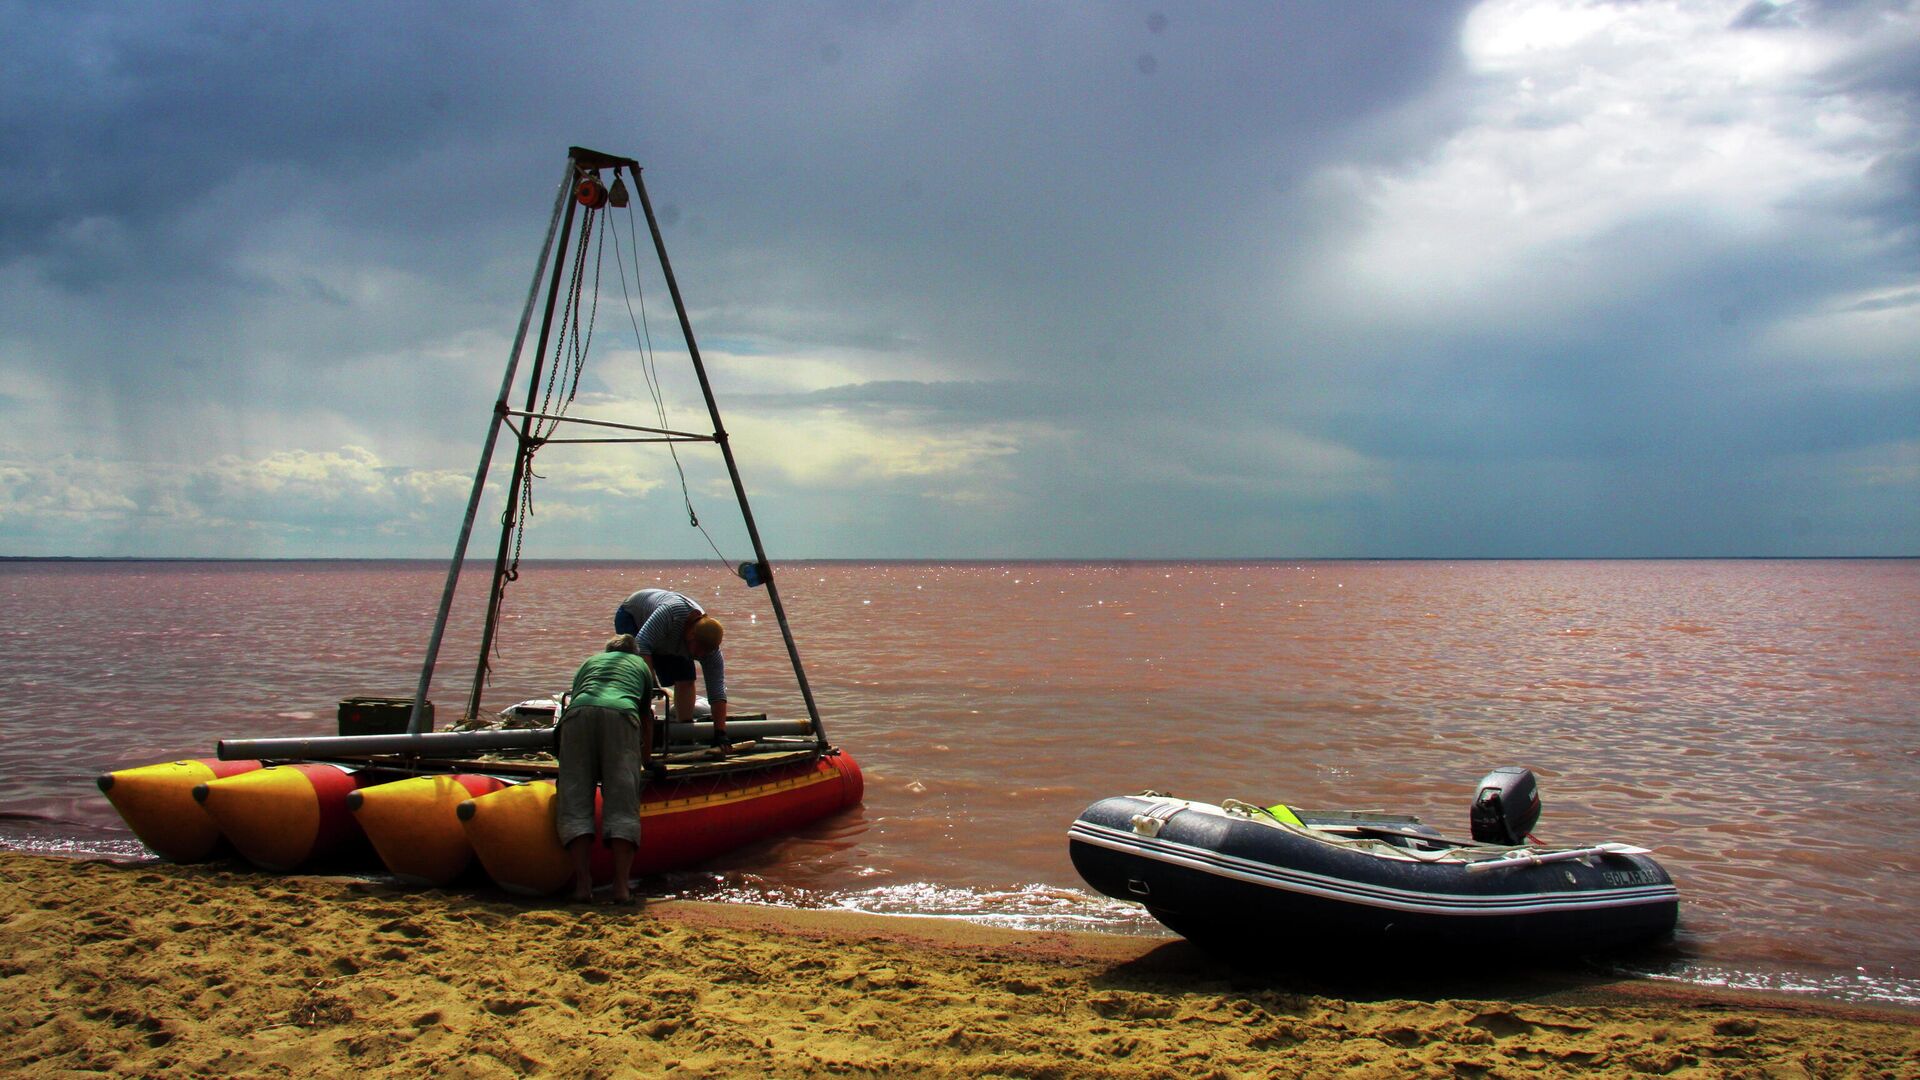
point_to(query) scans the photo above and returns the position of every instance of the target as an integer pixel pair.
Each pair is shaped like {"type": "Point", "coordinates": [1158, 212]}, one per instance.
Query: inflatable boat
{"type": "Point", "coordinates": [1238, 876]}
{"type": "Point", "coordinates": [430, 820]}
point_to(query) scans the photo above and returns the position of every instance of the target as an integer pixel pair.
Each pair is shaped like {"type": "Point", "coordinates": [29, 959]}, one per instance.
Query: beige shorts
{"type": "Point", "coordinates": [599, 746]}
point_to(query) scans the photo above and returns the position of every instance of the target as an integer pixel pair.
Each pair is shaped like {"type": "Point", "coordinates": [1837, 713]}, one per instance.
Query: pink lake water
{"type": "Point", "coordinates": [1755, 723]}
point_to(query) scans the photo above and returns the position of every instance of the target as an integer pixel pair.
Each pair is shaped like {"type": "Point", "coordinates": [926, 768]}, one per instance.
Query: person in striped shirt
{"type": "Point", "coordinates": [673, 633]}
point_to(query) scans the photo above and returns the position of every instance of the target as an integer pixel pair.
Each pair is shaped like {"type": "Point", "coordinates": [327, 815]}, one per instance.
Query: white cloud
{"type": "Point", "coordinates": [601, 474]}
{"type": "Point", "coordinates": [231, 505]}
{"type": "Point", "coordinates": [838, 449]}
{"type": "Point", "coordinates": [1868, 340]}
{"type": "Point", "coordinates": [68, 490]}
{"type": "Point", "coordinates": [348, 474]}
{"type": "Point", "coordinates": [821, 447]}
{"type": "Point", "coordinates": [1896, 465]}
{"type": "Point", "coordinates": [1592, 130]}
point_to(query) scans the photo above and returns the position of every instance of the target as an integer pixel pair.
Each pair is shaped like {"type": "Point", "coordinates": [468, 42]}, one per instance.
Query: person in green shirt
{"type": "Point", "coordinates": [609, 719]}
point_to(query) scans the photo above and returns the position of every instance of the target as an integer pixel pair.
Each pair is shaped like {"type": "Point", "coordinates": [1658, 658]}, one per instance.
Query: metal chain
{"type": "Point", "coordinates": [572, 346]}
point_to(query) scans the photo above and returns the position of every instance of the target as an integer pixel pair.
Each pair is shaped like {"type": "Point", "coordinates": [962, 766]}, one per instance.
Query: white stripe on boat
{"type": "Point", "coordinates": [1270, 876]}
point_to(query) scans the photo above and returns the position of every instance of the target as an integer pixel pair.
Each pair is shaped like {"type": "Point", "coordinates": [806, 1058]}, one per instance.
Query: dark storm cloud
{"type": "Point", "coordinates": [139, 111]}
{"type": "Point", "coordinates": [994, 178]}
{"type": "Point", "coordinates": [1181, 248]}
{"type": "Point", "coordinates": [185, 127]}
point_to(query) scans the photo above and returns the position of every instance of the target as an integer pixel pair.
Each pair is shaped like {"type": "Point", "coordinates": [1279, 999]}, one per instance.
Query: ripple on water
{"type": "Point", "coordinates": [1752, 721]}
{"type": "Point", "coordinates": [1861, 984]}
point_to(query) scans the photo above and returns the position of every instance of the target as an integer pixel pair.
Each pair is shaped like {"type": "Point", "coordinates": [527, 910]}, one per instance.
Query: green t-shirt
{"type": "Point", "coordinates": [614, 680]}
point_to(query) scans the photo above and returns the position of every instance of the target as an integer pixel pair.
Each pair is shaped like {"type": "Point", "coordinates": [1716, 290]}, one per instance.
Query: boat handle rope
{"type": "Point", "coordinates": [1150, 823]}
{"type": "Point", "coordinates": [1247, 809]}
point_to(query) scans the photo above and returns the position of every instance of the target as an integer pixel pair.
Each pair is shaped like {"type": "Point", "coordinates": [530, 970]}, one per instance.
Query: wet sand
{"type": "Point", "coordinates": [152, 969]}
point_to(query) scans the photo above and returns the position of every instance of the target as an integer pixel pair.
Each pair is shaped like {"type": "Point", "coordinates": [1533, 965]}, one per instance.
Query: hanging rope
{"type": "Point", "coordinates": [643, 335]}
{"type": "Point", "coordinates": [578, 316]}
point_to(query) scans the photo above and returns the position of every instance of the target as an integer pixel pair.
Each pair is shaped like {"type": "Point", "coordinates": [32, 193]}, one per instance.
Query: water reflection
{"type": "Point", "coordinates": [1752, 722]}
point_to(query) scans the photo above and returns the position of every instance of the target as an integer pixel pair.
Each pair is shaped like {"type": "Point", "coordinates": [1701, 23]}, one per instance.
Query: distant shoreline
{"type": "Point", "coordinates": [934, 560]}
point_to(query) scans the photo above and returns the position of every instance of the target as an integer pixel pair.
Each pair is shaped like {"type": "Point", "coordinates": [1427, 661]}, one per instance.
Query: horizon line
{"type": "Point", "coordinates": [960, 559]}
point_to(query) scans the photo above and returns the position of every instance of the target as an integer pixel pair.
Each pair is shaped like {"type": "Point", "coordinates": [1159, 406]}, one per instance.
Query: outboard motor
{"type": "Point", "coordinates": [1506, 807]}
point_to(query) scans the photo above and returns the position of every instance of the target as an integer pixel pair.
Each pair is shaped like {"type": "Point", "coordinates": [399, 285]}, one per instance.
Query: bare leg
{"type": "Point", "coordinates": [683, 701]}
{"type": "Point", "coordinates": [623, 852]}
{"type": "Point", "coordinates": [579, 848]}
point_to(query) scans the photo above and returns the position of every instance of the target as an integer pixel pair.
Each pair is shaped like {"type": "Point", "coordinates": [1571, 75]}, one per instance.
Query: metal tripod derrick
{"type": "Point", "coordinates": [581, 193]}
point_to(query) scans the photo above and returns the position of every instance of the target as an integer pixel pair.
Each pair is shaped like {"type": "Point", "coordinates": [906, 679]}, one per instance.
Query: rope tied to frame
{"type": "Point", "coordinates": [643, 335]}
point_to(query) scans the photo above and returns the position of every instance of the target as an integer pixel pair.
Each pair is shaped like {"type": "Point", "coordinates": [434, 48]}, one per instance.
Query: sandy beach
{"type": "Point", "coordinates": [147, 969]}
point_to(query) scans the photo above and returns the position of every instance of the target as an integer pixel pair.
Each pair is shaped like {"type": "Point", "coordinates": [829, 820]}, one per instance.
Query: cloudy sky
{"type": "Point", "coordinates": [1508, 278]}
